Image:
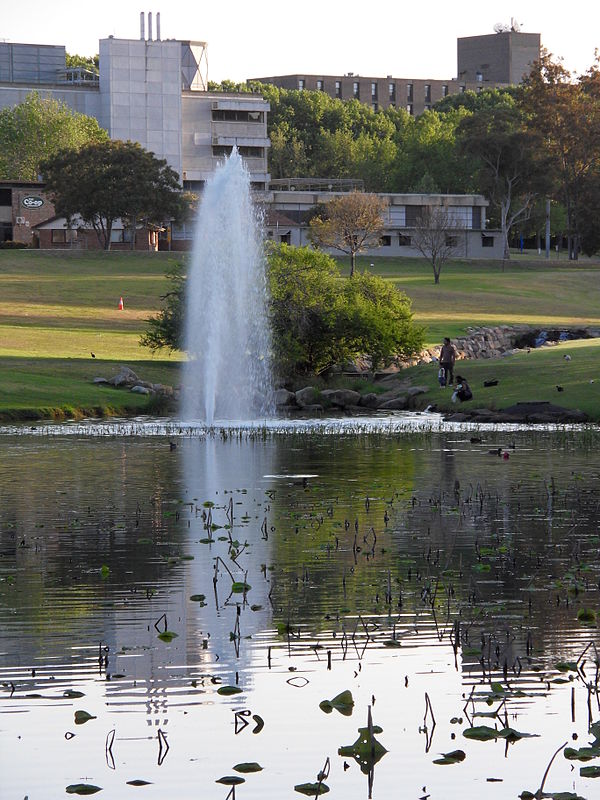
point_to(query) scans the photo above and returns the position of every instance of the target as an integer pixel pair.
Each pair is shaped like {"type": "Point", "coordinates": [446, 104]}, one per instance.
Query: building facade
{"type": "Point", "coordinates": [490, 61]}
{"type": "Point", "coordinates": [148, 91]}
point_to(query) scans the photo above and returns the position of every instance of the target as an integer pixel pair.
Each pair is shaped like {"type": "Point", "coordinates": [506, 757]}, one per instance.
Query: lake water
{"type": "Point", "coordinates": [414, 569]}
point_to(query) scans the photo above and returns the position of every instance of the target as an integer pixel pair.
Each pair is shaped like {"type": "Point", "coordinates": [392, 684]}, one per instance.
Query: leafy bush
{"type": "Point", "coordinates": [317, 317]}
{"type": "Point", "coordinates": [10, 245]}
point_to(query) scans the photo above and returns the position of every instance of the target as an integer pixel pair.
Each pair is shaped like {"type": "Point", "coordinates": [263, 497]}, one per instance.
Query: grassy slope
{"type": "Point", "coordinates": [58, 308]}
{"type": "Point", "coordinates": [55, 308]}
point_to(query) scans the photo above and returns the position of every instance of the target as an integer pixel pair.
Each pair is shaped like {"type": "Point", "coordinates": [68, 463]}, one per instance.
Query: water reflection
{"type": "Point", "coordinates": [394, 566]}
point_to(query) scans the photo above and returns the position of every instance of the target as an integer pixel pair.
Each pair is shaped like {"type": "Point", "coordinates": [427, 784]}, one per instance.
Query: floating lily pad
{"type": "Point", "coordinates": [483, 733]}
{"type": "Point", "coordinates": [248, 766]}
{"type": "Point", "coordinates": [581, 754]}
{"type": "Point", "coordinates": [82, 716]}
{"type": "Point", "coordinates": [226, 690]}
{"type": "Point", "coordinates": [587, 616]}
{"type": "Point", "coordinates": [83, 788]}
{"type": "Point", "coordinates": [167, 636]}
{"type": "Point", "coordinates": [312, 789]}
{"type": "Point", "coordinates": [566, 666]}
{"type": "Point", "coordinates": [260, 723]}
{"type": "Point", "coordinates": [343, 702]}
{"type": "Point", "coordinates": [138, 782]}
{"type": "Point", "coordinates": [240, 586]}
{"type": "Point", "coordinates": [231, 780]}
{"type": "Point", "coordinates": [454, 757]}
{"type": "Point", "coordinates": [589, 772]}
{"type": "Point", "coordinates": [198, 598]}
{"type": "Point", "coordinates": [72, 693]}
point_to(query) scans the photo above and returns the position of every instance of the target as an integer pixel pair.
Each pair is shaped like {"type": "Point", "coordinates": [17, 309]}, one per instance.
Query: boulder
{"type": "Point", "coordinates": [315, 408]}
{"type": "Point", "coordinates": [341, 397]}
{"type": "Point", "coordinates": [283, 398]}
{"type": "Point", "coordinates": [307, 396]}
{"type": "Point", "coordinates": [125, 377]}
{"type": "Point", "coordinates": [370, 400]}
{"type": "Point", "coordinates": [100, 381]}
{"type": "Point", "coordinates": [139, 389]}
{"type": "Point", "coordinates": [413, 391]}
{"type": "Point", "coordinates": [399, 403]}
{"type": "Point", "coordinates": [538, 411]}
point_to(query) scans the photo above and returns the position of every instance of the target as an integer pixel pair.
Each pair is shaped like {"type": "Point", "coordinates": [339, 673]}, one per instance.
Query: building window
{"type": "Point", "coordinates": [409, 92]}
{"type": "Point", "coordinates": [229, 115]}
{"type": "Point", "coordinates": [374, 91]}
{"type": "Point", "coordinates": [193, 186]}
{"type": "Point", "coordinates": [386, 241]}
{"type": "Point", "coordinates": [392, 92]}
{"type": "Point", "coordinates": [428, 93]}
{"type": "Point", "coordinates": [404, 241]}
{"type": "Point", "coordinates": [120, 235]}
{"type": "Point", "coordinates": [5, 197]}
{"type": "Point", "coordinates": [463, 88]}
{"type": "Point", "coordinates": [301, 84]}
{"type": "Point", "coordinates": [445, 90]}
{"type": "Point", "coordinates": [427, 106]}
{"type": "Point", "coordinates": [487, 241]}
{"type": "Point", "coordinates": [413, 215]}
{"type": "Point", "coordinates": [479, 76]}
{"type": "Point", "coordinates": [221, 150]}
{"type": "Point", "coordinates": [63, 236]}
{"type": "Point", "coordinates": [356, 89]}
{"type": "Point", "coordinates": [375, 106]}
{"type": "Point", "coordinates": [476, 218]}
{"type": "Point", "coordinates": [338, 89]}
{"type": "Point", "coordinates": [319, 86]}
{"type": "Point", "coordinates": [451, 241]}
{"type": "Point", "coordinates": [409, 108]}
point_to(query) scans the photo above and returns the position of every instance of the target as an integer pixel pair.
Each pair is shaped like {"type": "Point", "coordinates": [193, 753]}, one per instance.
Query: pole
{"type": "Point", "coordinates": [547, 227]}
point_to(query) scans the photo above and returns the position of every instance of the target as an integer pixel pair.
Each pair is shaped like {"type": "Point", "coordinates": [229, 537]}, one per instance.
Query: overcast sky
{"type": "Point", "coordinates": [254, 38]}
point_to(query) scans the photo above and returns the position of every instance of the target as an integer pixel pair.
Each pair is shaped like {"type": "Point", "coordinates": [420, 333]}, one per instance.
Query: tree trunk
{"type": "Point", "coordinates": [352, 262]}
{"type": "Point", "coordinates": [503, 215]}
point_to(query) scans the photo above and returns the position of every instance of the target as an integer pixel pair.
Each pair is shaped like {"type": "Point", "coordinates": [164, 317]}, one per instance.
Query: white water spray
{"type": "Point", "coordinates": [228, 375]}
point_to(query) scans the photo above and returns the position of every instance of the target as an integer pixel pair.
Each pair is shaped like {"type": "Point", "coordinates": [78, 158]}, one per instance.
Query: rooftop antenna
{"type": "Point", "coordinates": [158, 26]}
{"type": "Point", "coordinates": [149, 26]}
{"type": "Point", "coordinates": [142, 25]}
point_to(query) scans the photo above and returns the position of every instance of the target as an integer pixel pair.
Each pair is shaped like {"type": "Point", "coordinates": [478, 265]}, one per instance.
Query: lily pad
{"type": "Point", "coordinates": [198, 598]}
{"type": "Point", "coordinates": [167, 636]}
{"type": "Point", "coordinates": [83, 788]}
{"type": "Point", "coordinates": [240, 586]}
{"type": "Point", "coordinates": [589, 772]}
{"type": "Point", "coordinates": [312, 789]}
{"type": "Point", "coordinates": [231, 780]}
{"type": "Point", "coordinates": [587, 616]}
{"type": "Point", "coordinates": [581, 754]}
{"type": "Point", "coordinates": [483, 733]}
{"type": "Point", "coordinates": [343, 702]}
{"type": "Point", "coordinates": [227, 690]}
{"type": "Point", "coordinates": [138, 782]}
{"type": "Point", "coordinates": [454, 757]}
{"type": "Point", "coordinates": [81, 717]}
{"type": "Point", "coordinates": [72, 693]}
{"type": "Point", "coordinates": [248, 766]}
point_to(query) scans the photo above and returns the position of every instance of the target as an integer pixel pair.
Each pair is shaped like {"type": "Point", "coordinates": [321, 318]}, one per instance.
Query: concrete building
{"type": "Point", "coordinates": [289, 210]}
{"type": "Point", "coordinates": [490, 61]}
{"type": "Point", "coordinates": [150, 91]}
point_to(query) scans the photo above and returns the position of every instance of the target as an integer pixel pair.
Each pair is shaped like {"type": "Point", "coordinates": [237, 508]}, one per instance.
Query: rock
{"type": "Point", "coordinates": [544, 412]}
{"type": "Point", "coordinates": [370, 400]}
{"type": "Point", "coordinates": [125, 377]}
{"type": "Point", "coordinates": [307, 396]}
{"type": "Point", "coordinates": [341, 397]}
{"type": "Point", "coordinates": [162, 388]}
{"type": "Point", "coordinates": [100, 381]}
{"type": "Point", "coordinates": [139, 389]}
{"type": "Point", "coordinates": [413, 391]}
{"type": "Point", "coordinates": [283, 398]}
{"type": "Point", "coordinates": [315, 408]}
{"type": "Point", "coordinates": [397, 404]}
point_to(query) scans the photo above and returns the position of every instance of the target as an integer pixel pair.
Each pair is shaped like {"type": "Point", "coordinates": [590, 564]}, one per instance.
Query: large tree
{"type": "Point", "coordinates": [113, 180]}
{"type": "Point", "coordinates": [37, 129]}
{"type": "Point", "coordinates": [512, 169]}
{"type": "Point", "coordinates": [350, 223]}
{"type": "Point", "coordinates": [566, 114]}
{"type": "Point", "coordinates": [436, 237]}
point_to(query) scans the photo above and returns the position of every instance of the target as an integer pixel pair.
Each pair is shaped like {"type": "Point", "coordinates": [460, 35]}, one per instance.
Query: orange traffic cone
{"type": "Point", "coordinates": [120, 306]}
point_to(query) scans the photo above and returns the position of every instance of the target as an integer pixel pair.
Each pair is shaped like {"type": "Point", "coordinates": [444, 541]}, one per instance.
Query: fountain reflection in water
{"type": "Point", "coordinates": [227, 376]}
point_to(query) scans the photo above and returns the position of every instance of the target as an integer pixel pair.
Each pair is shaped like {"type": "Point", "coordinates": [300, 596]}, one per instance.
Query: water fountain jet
{"type": "Point", "coordinates": [227, 337]}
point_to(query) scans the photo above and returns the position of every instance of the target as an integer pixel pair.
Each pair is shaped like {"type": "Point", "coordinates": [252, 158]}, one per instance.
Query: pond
{"type": "Point", "coordinates": [174, 606]}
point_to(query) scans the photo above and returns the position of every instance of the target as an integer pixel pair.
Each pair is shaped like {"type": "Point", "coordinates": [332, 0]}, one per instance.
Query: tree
{"type": "Point", "coordinates": [317, 319]}
{"type": "Point", "coordinates": [90, 63]}
{"type": "Point", "coordinates": [512, 169]}
{"type": "Point", "coordinates": [436, 237]}
{"type": "Point", "coordinates": [349, 223]}
{"type": "Point", "coordinates": [113, 180]}
{"type": "Point", "coordinates": [38, 129]}
{"type": "Point", "coordinates": [566, 115]}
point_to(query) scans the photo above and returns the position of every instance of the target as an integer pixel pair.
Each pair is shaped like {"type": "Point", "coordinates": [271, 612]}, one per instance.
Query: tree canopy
{"type": "Point", "coordinates": [36, 130]}
{"type": "Point", "coordinates": [112, 180]}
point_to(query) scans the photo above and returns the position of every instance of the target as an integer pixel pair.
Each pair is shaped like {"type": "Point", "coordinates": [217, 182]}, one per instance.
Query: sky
{"type": "Point", "coordinates": [260, 38]}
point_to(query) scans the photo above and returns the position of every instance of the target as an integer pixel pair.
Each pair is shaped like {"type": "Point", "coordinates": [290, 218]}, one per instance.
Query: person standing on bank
{"type": "Point", "coordinates": [447, 359]}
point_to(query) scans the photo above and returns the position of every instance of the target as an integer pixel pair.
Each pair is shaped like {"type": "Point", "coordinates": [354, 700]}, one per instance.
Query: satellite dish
{"type": "Point", "coordinates": [501, 27]}
{"type": "Point", "coordinates": [514, 25]}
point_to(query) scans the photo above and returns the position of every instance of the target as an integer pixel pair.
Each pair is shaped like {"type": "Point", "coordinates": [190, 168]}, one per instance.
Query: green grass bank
{"type": "Point", "coordinates": [57, 308]}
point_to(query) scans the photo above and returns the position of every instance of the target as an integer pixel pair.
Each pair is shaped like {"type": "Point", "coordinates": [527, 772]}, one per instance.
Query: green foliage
{"type": "Point", "coordinates": [108, 180]}
{"type": "Point", "coordinates": [36, 130]}
{"type": "Point", "coordinates": [317, 318]}
{"type": "Point", "coordinates": [75, 61]}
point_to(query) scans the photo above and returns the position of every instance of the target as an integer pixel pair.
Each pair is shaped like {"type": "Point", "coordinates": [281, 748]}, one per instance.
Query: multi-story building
{"type": "Point", "coordinates": [490, 61]}
{"type": "Point", "coordinates": [150, 91]}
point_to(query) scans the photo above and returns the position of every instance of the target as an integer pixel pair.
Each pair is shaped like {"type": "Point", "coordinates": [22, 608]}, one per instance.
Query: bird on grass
{"type": "Point", "coordinates": [490, 383]}
{"type": "Point", "coordinates": [496, 452]}
{"type": "Point", "coordinates": [560, 388]}
{"type": "Point", "coordinates": [93, 355]}
{"type": "Point", "coordinates": [567, 357]}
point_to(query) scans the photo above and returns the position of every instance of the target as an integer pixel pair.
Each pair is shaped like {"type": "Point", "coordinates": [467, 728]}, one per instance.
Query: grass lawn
{"type": "Point", "coordinates": [56, 308]}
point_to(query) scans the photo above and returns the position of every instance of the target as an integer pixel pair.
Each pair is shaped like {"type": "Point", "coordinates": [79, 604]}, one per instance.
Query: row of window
{"type": "Point", "coordinates": [229, 115]}
{"type": "Point", "coordinates": [222, 150]}
{"type": "Point", "coordinates": [391, 90]}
